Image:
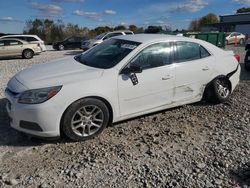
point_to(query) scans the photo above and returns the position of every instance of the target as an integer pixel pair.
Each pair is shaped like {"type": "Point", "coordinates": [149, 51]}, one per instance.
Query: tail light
{"type": "Point", "coordinates": [237, 57]}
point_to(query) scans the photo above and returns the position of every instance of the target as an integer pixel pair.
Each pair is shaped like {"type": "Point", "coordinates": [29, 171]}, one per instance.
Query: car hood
{"type": "Point", "coordinates": [54, 73]}
{"type": "Point", "coordinates": [93, 41]}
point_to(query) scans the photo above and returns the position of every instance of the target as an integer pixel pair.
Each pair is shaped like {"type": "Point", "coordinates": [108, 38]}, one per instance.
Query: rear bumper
{"type": "Point", "coordinates": [43, 48]}
{"type": "Point", "coordinates": [234, 77]}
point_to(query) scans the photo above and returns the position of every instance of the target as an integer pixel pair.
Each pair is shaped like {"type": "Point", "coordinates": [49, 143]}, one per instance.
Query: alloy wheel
{"type": "Point", "coordinates": [87, 120]}
{"type": "Point", "coordinates": [222, 89]}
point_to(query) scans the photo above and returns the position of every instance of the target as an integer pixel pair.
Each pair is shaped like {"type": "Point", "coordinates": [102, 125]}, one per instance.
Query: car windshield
{"type": "Point", "coordinates": [107, 54]}
{"type": "Point", "coordinates": [100, 36]}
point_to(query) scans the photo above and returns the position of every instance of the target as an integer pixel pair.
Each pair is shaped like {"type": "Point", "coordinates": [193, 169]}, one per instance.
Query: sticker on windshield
{"type": "Point", "coordinates": [128, 46]}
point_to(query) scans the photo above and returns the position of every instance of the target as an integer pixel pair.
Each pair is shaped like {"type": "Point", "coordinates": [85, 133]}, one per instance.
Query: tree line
{"type": "Point", "coordinates": [51, 31]}
{"type": "Point", "coordinates": [197, 24]}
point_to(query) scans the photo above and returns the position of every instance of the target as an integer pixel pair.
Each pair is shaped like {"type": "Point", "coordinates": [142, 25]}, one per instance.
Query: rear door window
{"type": "Point", "coordinates": [14, 42]}
{"type": "Point", "coordinates": [204, 52]}
{"type": "Point", "coordinates": [128, 33]}
{"type": "Point", "coordinates": [189, 51]}
{"type": "Point", "coordinates": [112, 35]}
{"type": "Point", "coordinates": [72, 39]}
{"type": "Point", "coordinates": [1, 43]}
{"type": "Point", "coordinates": [31, 39]}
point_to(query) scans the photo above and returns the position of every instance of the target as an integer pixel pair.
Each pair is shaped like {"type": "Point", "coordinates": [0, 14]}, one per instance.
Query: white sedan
{"type": "Point", "coordinates": [124, 77]}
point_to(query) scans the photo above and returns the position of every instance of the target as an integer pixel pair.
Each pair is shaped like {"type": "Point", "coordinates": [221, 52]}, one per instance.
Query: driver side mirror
{"type": "Point", "coordinates": [132, 69]}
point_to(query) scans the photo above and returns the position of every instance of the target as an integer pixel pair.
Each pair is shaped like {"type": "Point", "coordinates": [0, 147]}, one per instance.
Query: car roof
{"type": "Point", "coordinates": [20, 35]}
{"type": "Point", "coordinates": [35, 36]}
{"type": "Point", "coordinates": [3, 39]}
{"type": "Point", "coordinates": [150, 38]}
{"type": "Point", "coordinates": [118, 31]}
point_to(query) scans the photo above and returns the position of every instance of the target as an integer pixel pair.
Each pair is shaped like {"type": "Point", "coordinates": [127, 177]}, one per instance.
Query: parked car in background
{"type": "Point", "coordinates": [14, 47]}
{"type": "Point", "coordinates": [235, 37]}
{"type": "Point", "coordinates": [69, 43]}
{"type": "Point", "coordinates": [102, 37]}
{"type": "Point", "coordinates": [121, 78]}
{"type": "Point", "coordinates": [33, 39]}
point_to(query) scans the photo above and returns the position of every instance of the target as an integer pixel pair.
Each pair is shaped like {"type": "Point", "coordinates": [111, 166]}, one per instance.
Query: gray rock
{"type": "Point", "coordinates": [201, 165]}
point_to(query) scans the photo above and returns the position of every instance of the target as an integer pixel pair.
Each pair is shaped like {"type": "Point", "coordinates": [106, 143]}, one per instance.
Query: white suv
{"type": "Point", "coordinates": [33, 39]}
{"type": "Point", "coordinates": [100, 38]}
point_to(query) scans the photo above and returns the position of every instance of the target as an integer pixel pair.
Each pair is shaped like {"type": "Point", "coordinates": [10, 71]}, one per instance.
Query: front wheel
{"type": "Point", "coordinates": [85, 119]}
{"type": "Point", "coordinates": [61, 47]}
{"type": "Point", "coordinates": [218, 91]}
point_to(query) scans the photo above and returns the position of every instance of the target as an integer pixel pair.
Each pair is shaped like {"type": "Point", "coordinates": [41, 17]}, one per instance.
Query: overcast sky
{"type": "Point", "coordinates": [92, 13]}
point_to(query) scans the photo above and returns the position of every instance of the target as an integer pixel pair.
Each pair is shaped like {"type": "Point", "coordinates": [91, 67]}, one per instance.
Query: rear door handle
{"type": "Point", "coordinates": [205, 69]}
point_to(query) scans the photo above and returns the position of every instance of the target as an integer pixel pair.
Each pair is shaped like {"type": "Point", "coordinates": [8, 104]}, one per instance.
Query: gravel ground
{"type": "Point", "coordinates": [198, 145]}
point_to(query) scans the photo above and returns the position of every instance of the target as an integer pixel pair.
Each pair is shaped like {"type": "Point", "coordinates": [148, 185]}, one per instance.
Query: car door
{"type": "Point", "coordinates": [69, 43]}
{"type": "Point", "coordinates": [77, 43]}
{"type": "Point", "coordinates": [232, 38]}
{"type": "Point", "coordinates": [15, 47]}
{"type": "Point", "coordinates": [155, 82]}
{"type": "Point", "coordinates": [3, 50]}
{"type": "Point", "coordinates": [193, 70]}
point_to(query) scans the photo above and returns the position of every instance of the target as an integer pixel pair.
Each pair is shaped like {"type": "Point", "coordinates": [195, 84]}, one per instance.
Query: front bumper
{"type": "Point", "coordinates": [42, 120]}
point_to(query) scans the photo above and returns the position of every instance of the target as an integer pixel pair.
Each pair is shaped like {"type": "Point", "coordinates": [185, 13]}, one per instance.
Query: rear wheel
{"type": "Point", "coordinates": [85, 119]}
{"type": "Point", "coordinates": [218, 90]}
{"type": "Point", "coordinates": [28, 54]}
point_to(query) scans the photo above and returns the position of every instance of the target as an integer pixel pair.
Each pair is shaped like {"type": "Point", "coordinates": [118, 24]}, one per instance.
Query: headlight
{"type": "Point", "coordinates": [36, 96]}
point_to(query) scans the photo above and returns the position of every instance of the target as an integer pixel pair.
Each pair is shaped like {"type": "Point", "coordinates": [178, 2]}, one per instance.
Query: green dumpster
{"type": "Point", "coordinates": [216, 38]}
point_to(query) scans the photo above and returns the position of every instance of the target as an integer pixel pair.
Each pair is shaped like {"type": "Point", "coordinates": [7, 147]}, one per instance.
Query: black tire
{"type": "Point", "coordinates": [218, 91]}
{"type": "Point", "coordinates": [247, 67]}
{"type": "Point", "coordinates": [61, 47]}
{"type": "Point", "coordinates": [72, 115]}
{"type": "Point", "coordinates": [28, 54]}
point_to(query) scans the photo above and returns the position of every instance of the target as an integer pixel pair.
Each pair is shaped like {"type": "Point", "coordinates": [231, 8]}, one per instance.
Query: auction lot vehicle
{"type": "Point", "coordinates": [247, 57]}
{"type": "Point", "coordinates": [14, 47]}
{"type": "Point", "coordinates": [102, 37]}
{"type": "Point", "coordinates": [33, 39]}
{"type": "Point", "coordinates": [69, 43]}
{"type": "Point", "coordinates": [123, 77]}
{"type": "Point", "coordinates": [235, 37]}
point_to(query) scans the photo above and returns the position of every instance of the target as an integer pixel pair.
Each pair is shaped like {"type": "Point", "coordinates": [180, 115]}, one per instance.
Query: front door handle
{"type": "Point", "coordinates": [168, 77]}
